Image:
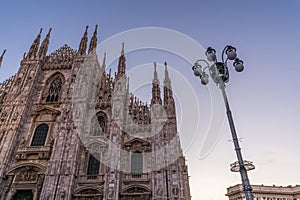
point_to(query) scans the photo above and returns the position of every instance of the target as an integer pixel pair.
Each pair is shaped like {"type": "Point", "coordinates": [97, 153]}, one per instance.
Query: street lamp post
{"type": "Point", "coordinates": [219, 73]}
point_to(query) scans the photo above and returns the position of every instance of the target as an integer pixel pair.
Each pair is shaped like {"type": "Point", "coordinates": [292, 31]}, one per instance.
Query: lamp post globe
{"type": "Point", "coordinates": [231, 52]}
{"type": "Point", "coordinates": [197, 71]}
{"type": "Point", "coordinates": [204, 79]}
{"type": "Point", "coordinates": [238, 65]}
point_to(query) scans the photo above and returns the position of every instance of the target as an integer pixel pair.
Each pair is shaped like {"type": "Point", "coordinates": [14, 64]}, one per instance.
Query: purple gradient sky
{"type": "Point", "coordinates": [264, 99]}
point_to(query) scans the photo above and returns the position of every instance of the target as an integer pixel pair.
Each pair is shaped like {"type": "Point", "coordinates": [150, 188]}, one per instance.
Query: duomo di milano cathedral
{"type": "Point", "coordinates": [69, 129]}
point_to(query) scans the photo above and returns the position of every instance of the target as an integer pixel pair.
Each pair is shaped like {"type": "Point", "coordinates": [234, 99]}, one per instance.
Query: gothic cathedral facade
{"type": "Point", "coordinates": [46, 152]}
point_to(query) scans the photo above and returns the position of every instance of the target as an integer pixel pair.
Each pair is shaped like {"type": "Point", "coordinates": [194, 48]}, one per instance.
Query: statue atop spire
{"type": "Point", "coordinates": [44, 46]}
{"type": "Point", "coordinates": [1, 57]}
{"type": "Point", "coordinates": [83, 43]}
{"type": "Point", "coordinates": [156, 99]}
{"type": "Point", "coordinates": [122, 64]}
{"type": "Point", "coordinates": [93, 43]}
{"type": "Point", "coordinates": [35, 46]}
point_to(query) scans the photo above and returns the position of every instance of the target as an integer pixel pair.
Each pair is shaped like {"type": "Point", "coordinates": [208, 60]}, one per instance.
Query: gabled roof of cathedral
{"type": "Point", "coordinates": [61, 55]}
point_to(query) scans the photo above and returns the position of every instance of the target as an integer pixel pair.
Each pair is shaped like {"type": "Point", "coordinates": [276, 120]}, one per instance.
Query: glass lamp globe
{"type": "Point", "coordinates": [197, 70]}
{"type": "Point", "coordinates": [210, 54]}
{"type": "Point", "coordinates": [238, 65]}
{"type": "Point", "coordinates": [204, 79]}
{"type": "Point", "coordinates": [231, 53]}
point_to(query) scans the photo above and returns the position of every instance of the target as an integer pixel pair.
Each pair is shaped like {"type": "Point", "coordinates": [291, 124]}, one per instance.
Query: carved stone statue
{"type": "Point", "coordinates": [23, 141]}
{"type": "Point", "coordinates": [51, 141]}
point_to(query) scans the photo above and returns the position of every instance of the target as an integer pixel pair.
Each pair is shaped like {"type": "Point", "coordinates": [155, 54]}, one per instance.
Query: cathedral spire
{"type": "Point", "coordinates": [127, 84]}
{"type": "Point", "coordinates": [104, 61]}
{"type": "Point", "coordinates": [103, 67]}
{"type": "Point", "coordinates": [93, 43]}
{"type": "Point", "coordinates": [167, 80]}
{"type": "Point", "coordinates": [122, 64]}
{"type": "Point", "coordinates": [1, 57]}
{"type": "Point", "coordinates": [103, 74]}
{"type": "Point", "coordinates": [122, 51]}
{"type": "Point", "coordinates": [155, 77]}
{"type": "Point", "coordinates": [83, 43]}
{"type": "Point", "coordinates": [156, 99]}
{"type": "Point", "coordinates": [168, 93]}
{"type": "Point", "coordinates": [35, 46]}
{"type": "Point", "coordinates": [44, 46]}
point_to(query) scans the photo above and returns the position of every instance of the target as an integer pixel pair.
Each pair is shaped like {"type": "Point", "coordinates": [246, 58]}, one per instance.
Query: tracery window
{"type": "Point", "coordinates": [93, 165]}
{"type": "Point", "coordinates": [54, 90]}
{"type": "Point", "coordinates": [137, 163]}
{"type": "Point", "coordinates": [40, 135]}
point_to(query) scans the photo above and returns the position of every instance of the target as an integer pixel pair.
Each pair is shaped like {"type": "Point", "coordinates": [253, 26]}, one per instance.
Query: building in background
{"type": "Point", "coordinates": [262, 192]}
{"type": "Point", "coordinates": [41, 153]}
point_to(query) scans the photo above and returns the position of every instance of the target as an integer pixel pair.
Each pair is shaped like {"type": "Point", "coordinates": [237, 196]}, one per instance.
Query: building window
{"type": "Point", "coordinates": [93, 165]}
{"type": "Point", "coordinates": [98, 126]}
{"type": "Point", "coordinates": [54, 90]}
{"type": "Point", "coordinates": [137, 163]}
{"type": "Point", "coordinates": [23, 195]}
{"type": "Point", "coordinates": [102, 123]}
{"type": "Point", "coordinates": [40, 135]}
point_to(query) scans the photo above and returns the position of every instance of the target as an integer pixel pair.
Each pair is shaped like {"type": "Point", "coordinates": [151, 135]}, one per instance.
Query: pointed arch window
{"type": "Point", "coordinates": [137, 163]}
{"type": "Point", "coordinates": [54, 90]}
{"type": "Point", "coordinates": [40, 135]}
{"type": "Point", "coordinates": [98, 126]}
{"type": "Point", "coordinates": [93, 165]}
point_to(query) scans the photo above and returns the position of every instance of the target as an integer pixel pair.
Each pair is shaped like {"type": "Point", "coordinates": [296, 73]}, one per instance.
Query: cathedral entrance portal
{"type": "Point", "coordinates": [23, 195]}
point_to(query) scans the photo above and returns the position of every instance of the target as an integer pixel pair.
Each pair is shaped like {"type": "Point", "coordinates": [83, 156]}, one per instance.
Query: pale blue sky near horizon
{"type": "Point", "coordinates": [264, 98]}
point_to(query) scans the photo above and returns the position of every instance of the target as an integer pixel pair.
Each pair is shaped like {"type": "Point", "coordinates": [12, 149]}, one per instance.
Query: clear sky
{"type": "Point", "coordinates": [264, 98]}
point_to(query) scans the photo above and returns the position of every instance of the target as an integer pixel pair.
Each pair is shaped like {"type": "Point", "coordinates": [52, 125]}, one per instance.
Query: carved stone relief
{"type": "Point", "coordinates": [29, 175]}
